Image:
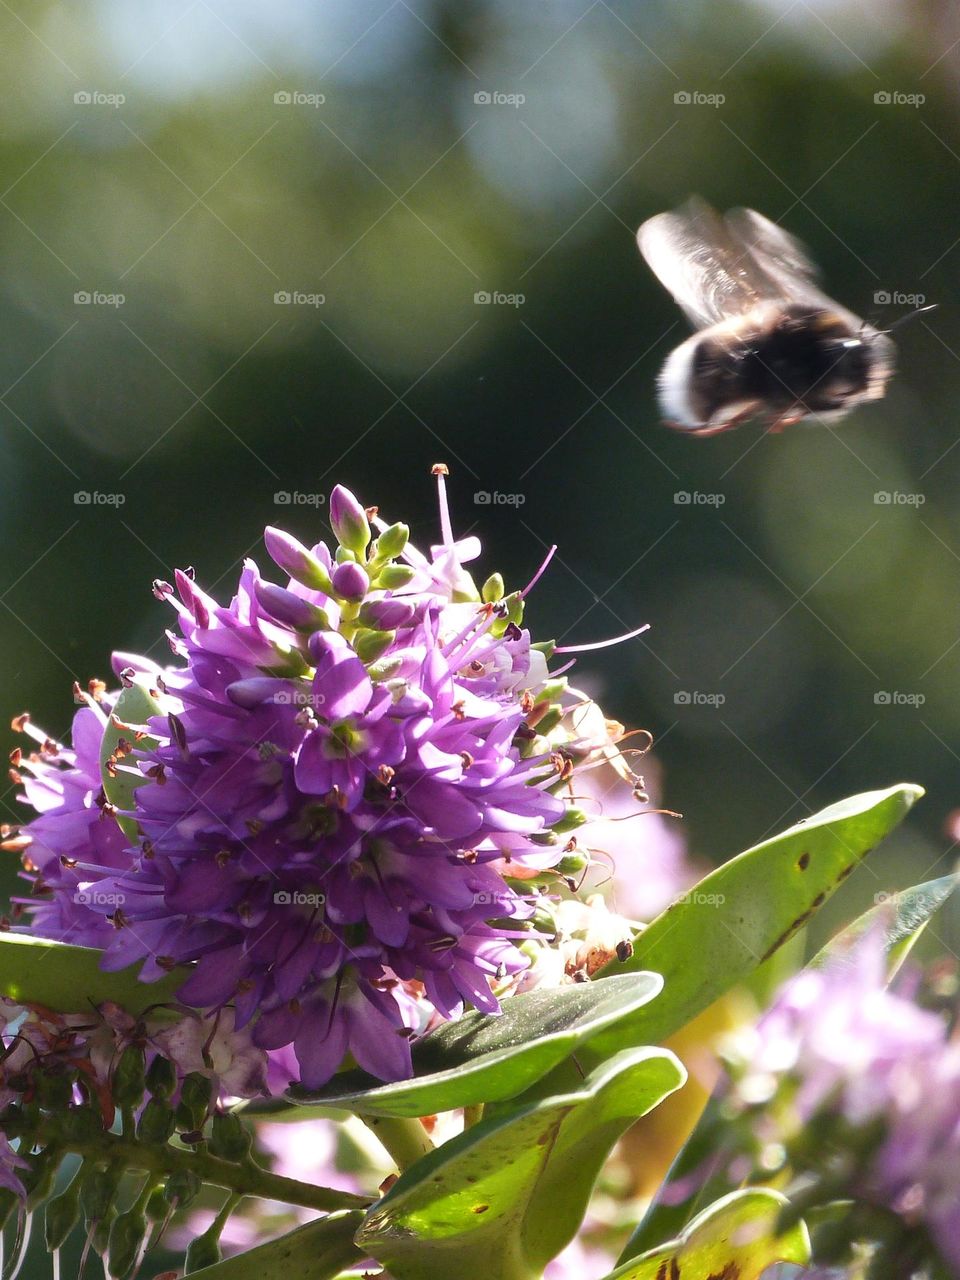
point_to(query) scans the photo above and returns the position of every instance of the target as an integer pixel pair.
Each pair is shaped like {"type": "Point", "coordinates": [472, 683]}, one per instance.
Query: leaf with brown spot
{"type": "Point", "coordinates": [734, 1239]}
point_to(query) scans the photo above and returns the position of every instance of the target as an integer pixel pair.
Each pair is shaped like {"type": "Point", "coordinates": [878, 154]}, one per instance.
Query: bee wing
{"type": "Point", "coordinates": [783, 260]}
{"type": "Point", "coordinates": [711, 273]}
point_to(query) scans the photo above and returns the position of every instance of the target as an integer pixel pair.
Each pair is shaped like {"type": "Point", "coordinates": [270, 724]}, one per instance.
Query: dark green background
{"type": "Point", "coordinates": [799, 599]}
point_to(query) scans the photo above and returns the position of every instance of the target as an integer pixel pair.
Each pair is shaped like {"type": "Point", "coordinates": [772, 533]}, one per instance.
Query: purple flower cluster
{"type": "Point", "coordinates": [349, 780]}
{"type": "Point", "coordinates": [838, 1042]}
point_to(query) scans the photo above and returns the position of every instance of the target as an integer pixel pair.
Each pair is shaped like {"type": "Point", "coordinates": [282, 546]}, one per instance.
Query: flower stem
{"type": "Point", "coordinates": [405, 1140]}
{"type": "Point", "coordinates": [247, 1179]}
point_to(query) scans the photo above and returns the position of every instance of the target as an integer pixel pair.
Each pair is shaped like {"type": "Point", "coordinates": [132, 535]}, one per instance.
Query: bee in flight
{"type": "Point", "coordinates": [769, 343]}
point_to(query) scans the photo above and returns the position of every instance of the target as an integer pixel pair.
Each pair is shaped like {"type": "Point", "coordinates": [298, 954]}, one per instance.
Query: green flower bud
{"type": "Point", "coordinates": [386, 669]}
{"type": "Point", "coordinates": [182, 1187]}
{"type": "Point", "coordinates": [101, 1232]}
{"type": "Point", "coordinates": [572, 819]}
{"type": "Point", "coordinates": [80, 1124]}
{"type": "Point", "coordinates": [161, 1077]}
{"type": "Point", "coordinates": [392, 541]}
{"type": "Point", "coordinates": [99, 1186]}
{"type": "Point", "coordinates": [493, 589]}
{"type": "Point", "coordinates": [203, 1251]}
{"type": "Point", "coordinates": [157, 1122]}
{"type": "Point", "coordinates": [393, 576]}
{"type": "Point", "coordinates": [230, 1139]}
{"type": "Point", "coordinates": [370, 645]}
{"type": "Point", "coordinates": [572, 865]}
{"type": "Point", "coordinates": [126, 1237]}
{"type": "Point", "coordinates": [349, 520]}
{"type": "Point", "coordinates": [195, 1094]}
{"type": "Point", "coordinates": [54, 1090]}
{"type": "Point", "coordinates": [62, 1214]}
{"type": "Point", "coordinates": [157, 1207]}
{"type": "Point", "coordinates": [39, 1179]}
{"type": "Point", "coordinates": [128, 1079]}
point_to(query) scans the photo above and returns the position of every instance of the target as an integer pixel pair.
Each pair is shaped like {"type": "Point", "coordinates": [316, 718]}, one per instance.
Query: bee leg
{"type": "Point", "coordinates": [717, 425]}
{"type": "Point", "coordinates": [788, 419]}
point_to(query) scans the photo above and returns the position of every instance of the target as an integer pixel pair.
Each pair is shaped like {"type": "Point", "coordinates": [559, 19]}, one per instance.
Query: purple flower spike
{"type": "Point", "coordinates": [340, 810]}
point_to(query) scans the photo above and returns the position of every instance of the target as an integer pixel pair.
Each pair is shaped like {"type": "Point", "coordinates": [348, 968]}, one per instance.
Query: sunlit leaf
{"type": "Point", "coordinates": [482, 1058]}
{"type": "Point", "coordinates": [319, 1250]}
{"type": "Point", "coordinates": [735, 1239]}
{"type": "Point", "coordinates": [69, 979]}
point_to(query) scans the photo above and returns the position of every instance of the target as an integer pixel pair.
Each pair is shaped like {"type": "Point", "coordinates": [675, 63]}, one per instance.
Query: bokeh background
{"type": "Point", "coordinates": [244, 252]}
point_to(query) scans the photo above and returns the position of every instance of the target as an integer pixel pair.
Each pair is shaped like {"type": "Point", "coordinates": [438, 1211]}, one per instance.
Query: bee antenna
{"type": "Point", "coordinates": [917, 311]}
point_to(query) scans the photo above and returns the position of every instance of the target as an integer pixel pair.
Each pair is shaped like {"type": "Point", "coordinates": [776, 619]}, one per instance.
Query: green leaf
{"type": "Point", "coordinates": [901, 916]}
{"type": "Point", "coordinates": [501, 1199]}
{"type": "Point", "coordinates": [134, 707]}
{"type": "Point", "coordinates": [319, 1250]}
{"type": "Point", "coordinates": [69, 979]}
{"type": "Point", "coordinates": [735, 1239]}
{"type": "Point", "coordinates": [483, 1059]}
{"type": "Point", "coordinates": [742, 913]}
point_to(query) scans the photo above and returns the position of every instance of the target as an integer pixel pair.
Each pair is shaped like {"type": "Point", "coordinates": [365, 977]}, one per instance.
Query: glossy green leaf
{"type": "Point", "coordinates": [134, 707]}
{"type": "Point", "coordinates": [742, 913]}
{"type": "Point", "coordinates": [735, 1239]}
{"type": "Point", "coordinates": [482, 1058]}
{"type": "Point", "coordinates": [320, 1250]}
{"type": "Point", "coordinates": [69, 979]}
{"type": "Point", "coordinates": [902, 917]}
{"type": "Point", "coordinates": [498, 1201]}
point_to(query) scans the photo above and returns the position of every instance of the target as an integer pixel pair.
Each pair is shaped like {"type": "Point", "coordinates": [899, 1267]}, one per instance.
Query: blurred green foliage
{"type": "Point", "coordinates": [200, 197]}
